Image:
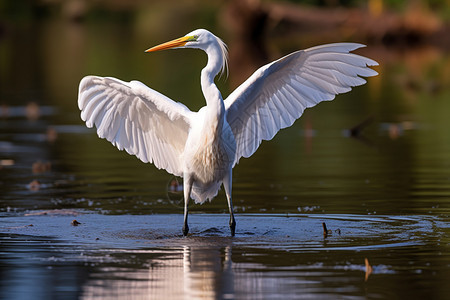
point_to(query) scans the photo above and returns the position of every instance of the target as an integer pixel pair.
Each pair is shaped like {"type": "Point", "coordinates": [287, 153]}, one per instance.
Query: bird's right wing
{"type": "Point", "coordinates": [136, 118]}
{"type": "Point", "coordinates": [278, 93]}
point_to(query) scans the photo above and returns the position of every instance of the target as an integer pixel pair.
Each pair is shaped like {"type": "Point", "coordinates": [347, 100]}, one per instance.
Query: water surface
{"type": "Point", "coordinates": [274, 256]}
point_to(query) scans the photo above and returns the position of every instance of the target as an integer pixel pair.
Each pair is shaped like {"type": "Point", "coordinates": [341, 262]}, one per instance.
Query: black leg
{"type": "Point", "coordinates": [187, 192]}
{"type": "Point", "coordinates": [227, 185]}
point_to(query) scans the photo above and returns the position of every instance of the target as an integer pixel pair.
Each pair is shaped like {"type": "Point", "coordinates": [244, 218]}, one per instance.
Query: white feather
{"type": "Point", "coordinates": [136, 118]}
{"type": "Point", "coordinates": [277, 93]}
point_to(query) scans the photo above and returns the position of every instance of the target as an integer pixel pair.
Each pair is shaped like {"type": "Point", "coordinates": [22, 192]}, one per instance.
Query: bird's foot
{"type": "Point", "coordinates": [232, 226]}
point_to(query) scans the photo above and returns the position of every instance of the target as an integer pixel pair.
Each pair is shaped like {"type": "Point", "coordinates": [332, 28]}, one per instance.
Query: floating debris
{"type": "Point", "coordinates": [4, 111]}
{"type": "Point", "coordinates": [6, 162]}
{"type": "Point", "coordinates": [396, 130]}
{"type": "Point", "coordinates": [32, 111]}
{"type": "Point", "coordinates": [41, 167]}
{"type": "Point", "coordinates": [75, 223]}
{"type": "Point", "coordinates": [51, 134]}
{"type": "Point", "coordinates": [34, 186]}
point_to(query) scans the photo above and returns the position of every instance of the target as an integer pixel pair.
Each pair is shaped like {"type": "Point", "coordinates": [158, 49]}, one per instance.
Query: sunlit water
{"type": "Point", "coordinates": [384, 195]}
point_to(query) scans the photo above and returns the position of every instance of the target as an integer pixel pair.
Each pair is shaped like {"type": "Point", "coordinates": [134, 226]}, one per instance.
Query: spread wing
{"type": "Point", "coordinates": [278, 93]}
{"type": "Point", "coordinates": [136, 118]}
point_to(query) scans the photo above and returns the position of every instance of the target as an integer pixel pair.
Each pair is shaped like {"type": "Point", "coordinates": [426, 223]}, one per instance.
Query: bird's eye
{"type": "Point", "coordinates": [192, 38]}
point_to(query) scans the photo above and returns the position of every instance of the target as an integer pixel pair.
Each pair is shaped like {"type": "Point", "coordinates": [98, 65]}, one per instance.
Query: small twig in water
{"type": "Point", "coordinates": [326, 232]}
{"type": "Point", "coordinates": [368, 268]}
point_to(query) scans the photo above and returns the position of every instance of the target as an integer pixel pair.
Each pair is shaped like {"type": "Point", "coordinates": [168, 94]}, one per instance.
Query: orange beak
{"type": "Point", "coordinates": [173, 44]}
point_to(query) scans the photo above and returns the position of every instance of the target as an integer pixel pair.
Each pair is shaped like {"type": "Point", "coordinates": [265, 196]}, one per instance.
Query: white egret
{"type": "Point", "coordinates": [204, 146]}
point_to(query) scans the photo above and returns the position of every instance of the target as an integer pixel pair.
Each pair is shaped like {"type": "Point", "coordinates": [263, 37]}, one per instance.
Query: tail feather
{"type": "Point", "coordinates": [201, 193]}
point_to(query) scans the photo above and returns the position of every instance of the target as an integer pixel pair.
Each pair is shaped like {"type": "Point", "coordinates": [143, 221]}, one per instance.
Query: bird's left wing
{"type": "Point", "coordinates": [136, 118]}
{"type": "Point", "coordinates": [278, 93]}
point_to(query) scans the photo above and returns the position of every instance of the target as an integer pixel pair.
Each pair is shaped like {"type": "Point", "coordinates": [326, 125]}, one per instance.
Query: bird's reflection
{"type": "Point", "coordinates": [207, 272]}
{"type": "Point", "coordinates": [192, 272]}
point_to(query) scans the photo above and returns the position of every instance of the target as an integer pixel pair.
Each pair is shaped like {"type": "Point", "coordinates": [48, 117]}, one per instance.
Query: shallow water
{"type": "Point", "coordinates": [271, 256]}
{"type": "Point", "coordinates": [384, 194]}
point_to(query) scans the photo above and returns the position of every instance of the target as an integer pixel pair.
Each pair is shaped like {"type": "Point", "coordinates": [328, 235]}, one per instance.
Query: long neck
{"type": "Point", "coordinates": [211, 93]}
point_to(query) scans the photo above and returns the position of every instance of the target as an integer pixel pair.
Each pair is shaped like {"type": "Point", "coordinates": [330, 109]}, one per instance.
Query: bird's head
{"type": "Point", "coordinates": [198, 39]}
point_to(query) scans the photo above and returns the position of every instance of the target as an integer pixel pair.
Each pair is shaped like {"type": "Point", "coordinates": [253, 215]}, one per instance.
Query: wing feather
{"type": "Point", "coordinates": [136, 119]}
{"type": "Point", "coordinates": [278, 93]}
